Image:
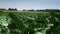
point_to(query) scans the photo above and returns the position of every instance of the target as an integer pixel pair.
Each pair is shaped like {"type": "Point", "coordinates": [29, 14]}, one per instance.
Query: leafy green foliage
{"type": "Point", "coordinates": [29, 23]}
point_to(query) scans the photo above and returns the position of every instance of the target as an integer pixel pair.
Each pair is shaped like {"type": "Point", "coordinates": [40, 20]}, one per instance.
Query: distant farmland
{"type": "Point", "coordinates": [27, 11]}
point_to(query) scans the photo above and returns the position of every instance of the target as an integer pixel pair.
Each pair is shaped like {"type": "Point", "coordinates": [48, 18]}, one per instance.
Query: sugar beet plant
{"type": "Point", "coordinates": [29, 23]}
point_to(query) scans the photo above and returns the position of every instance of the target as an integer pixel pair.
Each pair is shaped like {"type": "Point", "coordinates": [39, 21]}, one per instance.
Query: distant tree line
{"type": "Point", "coordinates": [28, 10]}
{"type": "Point", "coordinates": [43, 10]}
{"type": "Point", "coordinates": [11, 9]}
{"type": "Point", "coordinates": [2, 9]}
{"type": "Point", "coordinates": [39, 10]}
{"type": "Point", "coordinates": [31, 10]}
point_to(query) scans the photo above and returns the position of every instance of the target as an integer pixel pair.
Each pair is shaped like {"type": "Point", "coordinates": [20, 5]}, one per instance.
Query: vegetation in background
{"type": "Point", "coordinates": [38, 10]}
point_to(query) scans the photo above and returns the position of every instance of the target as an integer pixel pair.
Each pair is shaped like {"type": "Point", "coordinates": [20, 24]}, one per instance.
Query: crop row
{"type": "Point", "coordinates": [29, 23]}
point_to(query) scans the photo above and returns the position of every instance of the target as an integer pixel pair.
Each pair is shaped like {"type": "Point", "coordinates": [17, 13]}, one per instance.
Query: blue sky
{"type": "Point", "coordinates": [30, 4]}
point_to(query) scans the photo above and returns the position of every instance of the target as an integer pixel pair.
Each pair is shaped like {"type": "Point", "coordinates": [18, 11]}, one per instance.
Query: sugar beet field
{"type": "Point", "coordinates": [29, 23]}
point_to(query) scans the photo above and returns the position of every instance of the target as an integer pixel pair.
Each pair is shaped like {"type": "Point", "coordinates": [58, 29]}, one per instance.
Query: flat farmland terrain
{"type": "Point", "coordinates": [30, 11]}
{"type": "Point", "coordinates": [29, 22]}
